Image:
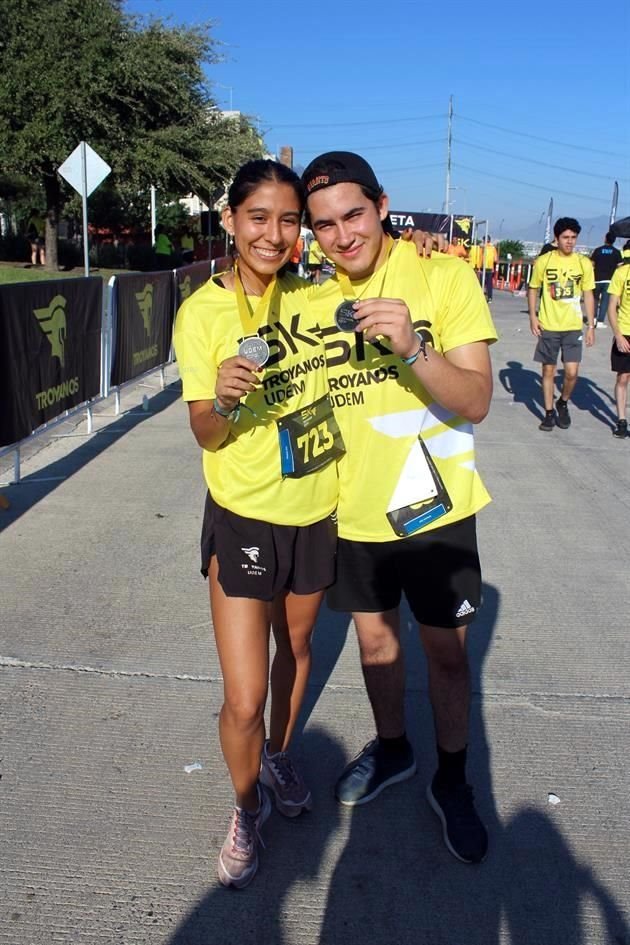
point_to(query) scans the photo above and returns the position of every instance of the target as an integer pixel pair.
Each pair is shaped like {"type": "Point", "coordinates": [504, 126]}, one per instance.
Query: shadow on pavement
{"type": "Point", "coordinates": [525, 386]}
{"type": "Point", "coordinates": [37, 486]}
{"type": "Point", "coordinates": [294, 853]}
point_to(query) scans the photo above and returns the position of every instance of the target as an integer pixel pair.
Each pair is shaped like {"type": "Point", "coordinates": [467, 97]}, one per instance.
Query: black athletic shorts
{"type": "Point", "coordinates": [437, 571]}
{"type": "Point", "coordinates": [258, 560]}
{"type": "Point", "coordinates": [619, 362]}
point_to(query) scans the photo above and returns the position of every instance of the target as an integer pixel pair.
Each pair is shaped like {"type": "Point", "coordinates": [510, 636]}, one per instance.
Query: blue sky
{"type": "Point", "coordinates": [541, 95]}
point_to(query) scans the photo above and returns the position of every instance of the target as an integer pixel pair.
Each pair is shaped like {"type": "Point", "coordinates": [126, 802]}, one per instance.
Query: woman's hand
{"type": "Point", "coordinates": [236, 378]}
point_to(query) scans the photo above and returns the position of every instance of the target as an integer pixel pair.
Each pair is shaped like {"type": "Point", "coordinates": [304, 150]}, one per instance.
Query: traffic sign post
{"type": "Point", "coordinates": [84, 170]}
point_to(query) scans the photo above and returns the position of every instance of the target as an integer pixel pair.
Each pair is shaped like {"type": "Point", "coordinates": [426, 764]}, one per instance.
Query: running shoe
{"type": "Point", "coordinates": [238, 859]}
{"type": "Point", "coordinates": [464, 834]}
{"type": "Point", "coordinates": [563, 420]}
{"type": "Point", "coordinates": [621, 430]}
{"type": "Point", "coordinates": [279, 774]}
{"type": "Point", "coordinates": [371, 772]}
{"type": "Point", "coordinates": [548, 422]}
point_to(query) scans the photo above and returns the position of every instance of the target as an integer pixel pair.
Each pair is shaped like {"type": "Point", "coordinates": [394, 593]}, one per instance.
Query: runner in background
{"type": "Point", "coordinates": [619, 318]}
{"type": "Point", "coordinates": [563, 278]}
{"type": "Point", "coordinates": [253, 374]}
{"type": "Point", "coordinates": [489, 260]}
{"type": "Point", "coordinates": [605, 260]}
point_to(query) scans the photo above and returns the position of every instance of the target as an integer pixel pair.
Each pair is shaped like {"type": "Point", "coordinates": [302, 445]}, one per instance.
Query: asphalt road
{"type": "Point", "coordinates": [110, 689]}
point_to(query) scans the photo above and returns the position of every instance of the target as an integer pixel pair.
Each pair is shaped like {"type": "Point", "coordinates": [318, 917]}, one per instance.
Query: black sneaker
{"type": "Point", "coordinates": [371, 772]}
{"type": "Point", "coordinates": [621, 430]}
{"type": "Point", "coordinates": [548, 421]}
{"type": "Point", "coordinates": [563, 419]}
{"type": "Point", "coordinates": [464, 834]}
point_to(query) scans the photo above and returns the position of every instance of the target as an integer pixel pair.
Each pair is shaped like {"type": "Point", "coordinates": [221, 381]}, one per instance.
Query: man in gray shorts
{"type": "Point", "coordinates": [563, 277]}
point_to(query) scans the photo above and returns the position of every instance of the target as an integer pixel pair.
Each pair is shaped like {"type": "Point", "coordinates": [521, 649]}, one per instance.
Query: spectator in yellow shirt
{"type": "Point", "coordinates": [489, 261]}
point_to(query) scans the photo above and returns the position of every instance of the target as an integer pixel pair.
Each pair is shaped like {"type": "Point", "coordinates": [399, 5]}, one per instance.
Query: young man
{"type": "Point", "coordinates": [409, 372]}
{"type": "Point", "coordinates": [619, 318]}
{"type": "Point", "coordinates": [563, 276]}
{"type": "Point", "coordinates": [605, 260]}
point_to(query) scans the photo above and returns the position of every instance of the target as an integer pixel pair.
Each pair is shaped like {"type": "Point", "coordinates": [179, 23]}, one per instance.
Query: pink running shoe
{"type": "Point", "coordinates": [278, 773]}
{"type": "Point", "coordinates": [238, 859]}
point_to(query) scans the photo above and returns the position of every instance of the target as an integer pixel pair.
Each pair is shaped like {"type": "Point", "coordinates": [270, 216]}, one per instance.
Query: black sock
{"type": "Point", "coordinates": [550, 412]}
{"type": "Point", "coordinates": [451, 767]}
{"type": "Point", "coordinates": [394, 747]}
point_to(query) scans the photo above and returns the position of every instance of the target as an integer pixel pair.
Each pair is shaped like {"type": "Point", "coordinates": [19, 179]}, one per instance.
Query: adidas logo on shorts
{"type": "Point", "coordinates": [465, 609]}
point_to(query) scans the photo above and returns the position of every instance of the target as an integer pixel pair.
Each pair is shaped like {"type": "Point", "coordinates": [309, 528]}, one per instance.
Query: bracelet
{"type": "Point", "coordinates": [422, 350]}
{"type": "Point", "coordinates": [226, 414]}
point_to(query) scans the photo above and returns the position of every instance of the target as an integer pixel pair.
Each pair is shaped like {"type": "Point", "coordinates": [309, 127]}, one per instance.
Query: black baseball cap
{"type": "Point", "coordinates": [338, 167]}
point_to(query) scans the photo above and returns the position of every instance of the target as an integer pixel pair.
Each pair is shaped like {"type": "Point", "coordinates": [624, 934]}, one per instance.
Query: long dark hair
{"type": "Point", "coordinates": [253, 173]}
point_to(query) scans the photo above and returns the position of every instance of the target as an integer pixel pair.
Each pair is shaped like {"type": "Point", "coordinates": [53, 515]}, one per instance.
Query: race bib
{"type": "Point", "coordinates": [420, 496]}
{"type": "Point", "coordinates": [309, 439]}
{"type": "Point", "coordinates": [562, 292]}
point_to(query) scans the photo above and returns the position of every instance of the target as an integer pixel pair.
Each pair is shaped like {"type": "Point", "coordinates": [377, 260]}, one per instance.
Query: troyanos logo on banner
{"type": "Point", "coordinates": [50, 349]}
{"type": "Point", "coordinates": [52, 321]}
{"type": "Point", "coordinates": [144, 307]}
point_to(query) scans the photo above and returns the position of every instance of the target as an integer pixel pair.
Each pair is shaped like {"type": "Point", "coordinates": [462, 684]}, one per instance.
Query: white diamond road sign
{"type": "Point", "coordinates": [96, 169]}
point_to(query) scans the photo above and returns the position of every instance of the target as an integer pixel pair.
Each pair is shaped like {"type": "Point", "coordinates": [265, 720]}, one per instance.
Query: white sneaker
{"type": "Point", "coordinates": [238, 859]}
{"type": "Point", "coordinates": [279, 774]}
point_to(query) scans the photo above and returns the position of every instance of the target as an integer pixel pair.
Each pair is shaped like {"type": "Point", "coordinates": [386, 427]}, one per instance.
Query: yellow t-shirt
{"type": "Point", "coordinates": [315, 254]}
{"type": "Point", "coordinates": [244, 473]}
{"type": "Point", "coordinates": [381, 406]}
{"type": "Point", "coordinates": [620, 286]}
{"type": "Point", "coordinates": [490, 256]}
{"type": "Point", "coordinates": [474, 256]}
{"type": "Point", "coordinates": [563, 279]}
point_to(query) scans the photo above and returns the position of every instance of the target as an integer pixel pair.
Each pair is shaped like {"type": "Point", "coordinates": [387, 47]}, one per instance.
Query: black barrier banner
{"type": "Point", "coordinates": [144, 323]}
{"type": "Point", "coordinates": [190, 278]}
{"type": "Point", "coordinates": [50, 351]}
{"type": "Point", "coordinates": [434, 223]}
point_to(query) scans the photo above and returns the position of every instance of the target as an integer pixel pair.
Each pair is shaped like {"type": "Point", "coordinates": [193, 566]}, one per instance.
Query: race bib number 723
{"type": "Point", "coordinates": [309, 439]}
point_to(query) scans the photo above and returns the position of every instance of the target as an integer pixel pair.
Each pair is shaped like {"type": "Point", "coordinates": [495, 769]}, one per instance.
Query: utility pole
{"type": "Point", "coordinates": [447, 196]}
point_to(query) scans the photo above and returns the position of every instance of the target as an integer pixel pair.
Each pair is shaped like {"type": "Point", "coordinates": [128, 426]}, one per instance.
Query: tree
{"type": "Point", "coordinates": [514, 247]}
{"type": "Point", "coordinates": [135, 90]}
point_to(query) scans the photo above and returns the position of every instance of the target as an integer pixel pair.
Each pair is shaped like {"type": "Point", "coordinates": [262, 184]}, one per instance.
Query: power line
{"type": "Point", "coordinates": [382, 147]}
{"type": "Point", "coordinates": [354, 124]}
{"type": "Point", "coordinates": [512, 180]}
{"type": "Point", "coordinates": [524, 134]}
{"type": "Point", "coordinates": [556, 167]}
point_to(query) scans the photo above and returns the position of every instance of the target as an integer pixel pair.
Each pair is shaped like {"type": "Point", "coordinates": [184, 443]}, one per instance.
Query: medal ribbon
{"type": "Point", "coordinates": [251, 321]}
{"type": "Point", "coordinates": [346, 286]}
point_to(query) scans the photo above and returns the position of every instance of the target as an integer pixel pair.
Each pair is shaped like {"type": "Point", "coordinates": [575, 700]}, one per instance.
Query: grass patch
{"type": "Point", "coordinates": [11, 274]}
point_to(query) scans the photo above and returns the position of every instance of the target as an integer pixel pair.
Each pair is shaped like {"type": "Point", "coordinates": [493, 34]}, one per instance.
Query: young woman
{"type": "Point", "coordinates": [253, 374]}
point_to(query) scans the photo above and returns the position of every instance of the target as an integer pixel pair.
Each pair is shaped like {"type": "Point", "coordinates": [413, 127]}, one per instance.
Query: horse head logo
{"type": "Point", "coordinates": [52, 321]}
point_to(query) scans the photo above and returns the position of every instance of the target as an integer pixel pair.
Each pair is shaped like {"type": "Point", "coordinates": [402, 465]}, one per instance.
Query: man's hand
{"type": "Point", "coordinates": [390, 318]}
{"type": "Point", "coordinates": [426, 243]}
{"type": "Point", "coordinates": [236, 378]}
{"type": "Point", "coordinates": [535, 326]}
{"type": "Point", "coordinates": [589, 340]}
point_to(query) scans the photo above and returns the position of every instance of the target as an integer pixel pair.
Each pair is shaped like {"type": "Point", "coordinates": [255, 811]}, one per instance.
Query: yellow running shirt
{"type": "Point", "coordinates": [380, 404]}
{"type": "Point", "coordinates": [563, 280]}
{"type": "Point", "coordinates": [490, 256]}
{"type": "Point", "coordinates": [474, 256]}
{"type": "Point", "coordinates": [620, 286]}
{"type": "Point", "coordinates": [244, 473]}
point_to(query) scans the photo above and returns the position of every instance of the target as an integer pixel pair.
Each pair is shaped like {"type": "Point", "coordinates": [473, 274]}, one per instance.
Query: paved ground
{"type": "Point", "coordinates": [110, 688]}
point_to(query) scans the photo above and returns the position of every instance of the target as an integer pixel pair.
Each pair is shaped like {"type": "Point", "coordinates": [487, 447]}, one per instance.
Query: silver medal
{"type": "Point", "coordinates": [346, 317]}
{"type": "Point", "coordinates": [254, 349]}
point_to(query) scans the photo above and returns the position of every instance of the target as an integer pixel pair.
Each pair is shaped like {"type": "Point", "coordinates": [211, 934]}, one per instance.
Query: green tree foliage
{"type": "Point", "coordinates": [135, 90]}
{"type": "Point", "coordinates": [514, 247]}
